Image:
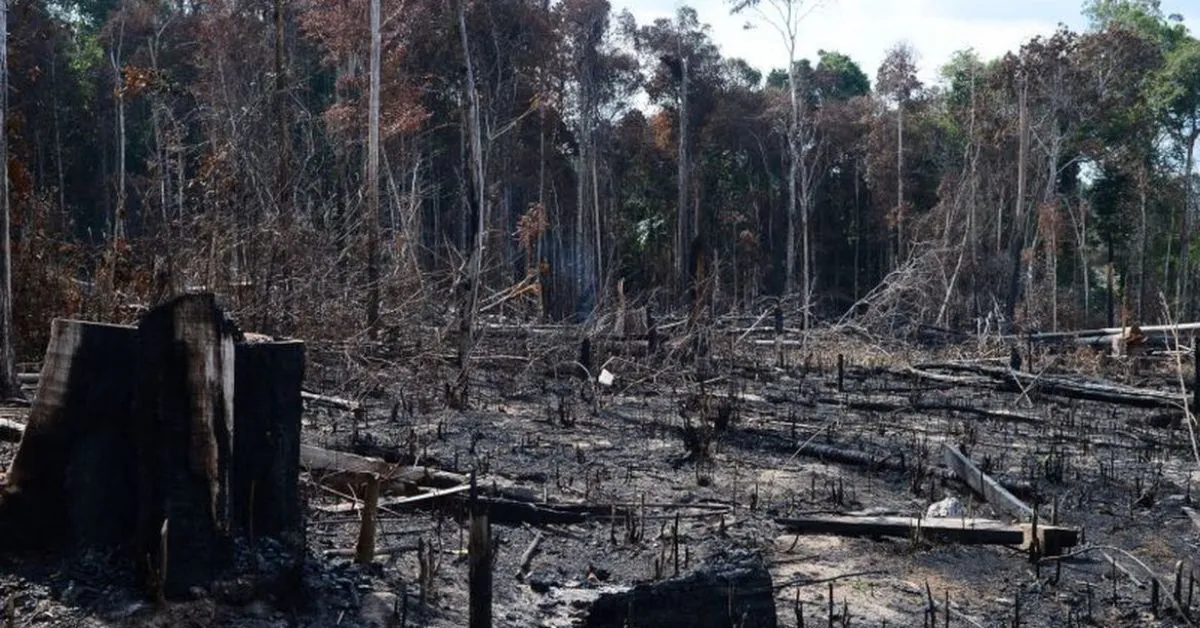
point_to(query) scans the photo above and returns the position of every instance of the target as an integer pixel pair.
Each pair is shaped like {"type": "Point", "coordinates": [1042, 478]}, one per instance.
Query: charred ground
{"type": "Point", "coordinates": [688, 465]}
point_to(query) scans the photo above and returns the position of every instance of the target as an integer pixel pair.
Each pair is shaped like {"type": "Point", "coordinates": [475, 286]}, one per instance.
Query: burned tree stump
{"type": "Point", "coordinates": [73, 479]}
{"type": "Point", "coordinates": [266, 449]}
{"type": "Point", "coordinates": [132, 444]}
{"type": "Point", "coordinates": [183, 411]}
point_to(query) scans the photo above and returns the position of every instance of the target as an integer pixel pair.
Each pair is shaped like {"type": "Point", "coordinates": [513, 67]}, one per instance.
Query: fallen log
{"type": "Point", "coordinates": [892, 462]}
{"type": "Point", "coordinates": [987, 488]}
{"type": "Point", "coordinates": [392, 502]}
{"type": "Point", "coordinates": [1182, 329]}
{"type": "Point", "coordinates": [736, 593]}
{"type": "Point", "coordinates": [331, 402]}
{"type": "Point", "coordinates": [963, 530]}
{"type": "Point", "coordinates": [1060, 385]}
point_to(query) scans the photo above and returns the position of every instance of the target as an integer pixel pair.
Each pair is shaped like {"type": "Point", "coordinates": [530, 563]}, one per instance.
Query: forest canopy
{"type": "Point", "coordinates": [159, 145]}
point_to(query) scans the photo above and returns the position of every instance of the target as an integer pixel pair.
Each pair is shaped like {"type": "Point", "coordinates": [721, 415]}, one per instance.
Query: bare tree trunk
{"type": "Point", "coordinates": [372, 179]}
{"type": "Point", "coordinates": [899, 183]}
{"type": "Point", "coordinates": [283, 182]}
{"type": "Point", "coordinates": [8, 368]}
{"type": "Point", "coordinates": [793, 168]}
{"type": "Point", "coordinates": [467, 329]}
{"type": "Point", "coordinates": [1017, 237]}
{"type": "Point", "coordinates": [114, 56]}
{"type": "Point", "coordinates": [681, 226]}
{"type": "Point", "coordinates": [1143, 228]}
{"type": "Point", "coordinates": [1183, 300]}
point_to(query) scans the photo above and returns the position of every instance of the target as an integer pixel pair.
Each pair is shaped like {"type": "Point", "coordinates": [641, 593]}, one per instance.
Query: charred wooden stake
{"type": "Point", "coordinates": [841, 366]}
{"type": "Point", "coordinates": [779, 335]}
{"type": "Point", "coordinates": [1154, 597]}
{"type": "Point", "coordinates": [675, 542]}
{"type": "Point", "coordinates": [1178, 594]}
{"type": "Point", "coordinates": [365, 551]}
{"type": "Point", "coordinates": [479, 557]}
{"type": "Point", "coordinates": [830, 605]}
{"type": "Point", "coordinates": [1191, 587]}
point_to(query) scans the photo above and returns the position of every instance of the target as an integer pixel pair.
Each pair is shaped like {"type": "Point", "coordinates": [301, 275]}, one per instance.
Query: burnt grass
{"type": "Point", "coordinates": [697, 461]}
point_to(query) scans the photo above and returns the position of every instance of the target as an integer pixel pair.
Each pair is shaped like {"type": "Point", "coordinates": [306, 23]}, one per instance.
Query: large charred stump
{"type": "Point", "coordinates": [73, 478]}
{"type": "Point", "coordinates": [183, 410]}
{"type": "Point", "coordinates": [266, 452]}
{"type": "Point", "coordinates": [132, 444]}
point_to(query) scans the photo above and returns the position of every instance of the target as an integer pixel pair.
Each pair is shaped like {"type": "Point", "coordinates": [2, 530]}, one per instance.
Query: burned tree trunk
{"type": "Point", "coordinates": [132, 444]}
{"type": "Point", "coordinates": [183, 411]}
{"type": "Point", "coordinates": [73, 479]}
{"type": "Point", "coordinates": [266, 452]}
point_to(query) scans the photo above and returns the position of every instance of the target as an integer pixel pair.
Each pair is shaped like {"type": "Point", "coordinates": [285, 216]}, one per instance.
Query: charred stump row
{"type": "Point", "coordinates": [164, 440]}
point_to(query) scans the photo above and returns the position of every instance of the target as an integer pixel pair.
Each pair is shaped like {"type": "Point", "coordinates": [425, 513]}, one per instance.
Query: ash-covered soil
{"type": "Point", "coordinates": [700, 463]}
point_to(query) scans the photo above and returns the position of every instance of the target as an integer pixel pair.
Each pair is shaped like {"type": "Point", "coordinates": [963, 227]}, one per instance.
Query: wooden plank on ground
{"type": "Point", "coordinates": [985, 486]}
{"type": "Point", "coordinates": [967, 531]}
{"type": "Point", "coordinates": [398, 501]}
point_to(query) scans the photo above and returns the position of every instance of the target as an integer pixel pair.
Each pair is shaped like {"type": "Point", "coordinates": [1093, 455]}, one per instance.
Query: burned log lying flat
{"type": "Point", "coordinates": [135, 442]}
{"type": "Point", "coordinates": [967, 531]}
{"type": "Point", "coordinates": [1007, 379]}
{"type": "Point", "coordinates": [737, 593]}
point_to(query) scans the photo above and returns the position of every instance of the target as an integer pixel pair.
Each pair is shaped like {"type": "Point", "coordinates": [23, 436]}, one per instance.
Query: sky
{"type": "Point", "coordinates": [865, 29]}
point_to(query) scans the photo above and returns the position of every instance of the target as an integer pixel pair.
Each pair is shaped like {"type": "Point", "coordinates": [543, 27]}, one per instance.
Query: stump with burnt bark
{"type": "Point", "coordinates": [72, 481]}
{"type": "Point", "coordinates": [165, 440]}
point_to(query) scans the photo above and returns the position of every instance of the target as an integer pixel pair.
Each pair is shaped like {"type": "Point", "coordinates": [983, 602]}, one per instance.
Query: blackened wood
{"type": "Point", "coordinates": [737, 594]}
{"type": "Point", "coordinates": [266, 449]}
{"type": "Point", "coordinates": [72, 479]}
{"type": "Point", "coordinates": [983, 484]}
{"type": "Point", "coordinates": [184, 410]}
{"type": "Point", "coordinates": [365, 550]}
{"type": "Point", "coordinates": [479, 556]}
{"type": "Point", "coordinates": [966, 531]}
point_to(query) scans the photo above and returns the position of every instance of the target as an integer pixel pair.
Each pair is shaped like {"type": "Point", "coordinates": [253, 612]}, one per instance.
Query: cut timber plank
{"type": "Point", "coordinates": [957, 530]}
{"type": "Point", "coordinates": [398, 501]}
{"type": "Point", "coordinates": [985, 486]}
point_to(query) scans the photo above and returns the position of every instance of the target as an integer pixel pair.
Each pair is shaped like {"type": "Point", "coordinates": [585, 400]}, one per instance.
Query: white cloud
{"type": "Point", "coordinates": [865, 29]}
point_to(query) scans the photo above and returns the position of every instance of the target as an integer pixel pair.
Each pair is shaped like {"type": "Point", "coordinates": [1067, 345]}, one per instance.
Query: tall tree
{"type": "Point", "coordinates": [1178, 95]}
{"type": "Point", "coordinates": [786, 16]}
{"type": "Point", "coordinates": [897, 81]}
{"type": "Point", "coordinates": [8, 368]}
{"type": "Point", "coordinates": [372, 219]}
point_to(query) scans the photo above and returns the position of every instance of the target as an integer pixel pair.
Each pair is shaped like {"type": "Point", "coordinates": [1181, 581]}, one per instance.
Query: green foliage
{"type": "Point", "coordinates": [839, 78]}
